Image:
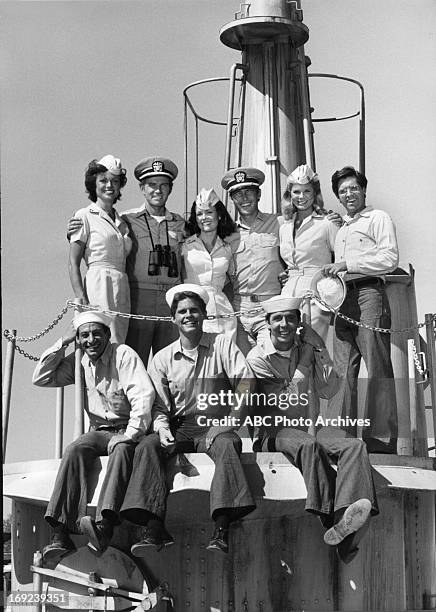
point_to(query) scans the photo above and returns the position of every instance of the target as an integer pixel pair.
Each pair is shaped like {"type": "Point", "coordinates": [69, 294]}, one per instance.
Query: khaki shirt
{"type": "Point", "coordinates": [106, 242]}
{"type": "Point", "coordinates": [142, 245]}
{"type": "Point", "coordinates": [256, 261]}
{"type": "Point", "coordinates": [279, 374]}
{"type": "Point", "coordinates": [313, 244]}
{"type": "Point", "coordinates": [118, 388]}
{"type": "Point", "coordinates": [180, 380]}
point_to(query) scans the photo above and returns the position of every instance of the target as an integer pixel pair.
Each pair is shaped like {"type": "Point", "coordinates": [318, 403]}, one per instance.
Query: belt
{"type": "Point", "coordinates": [360, 282]}
{"type": "Point", "coordinates": [109, 427]}
{"type": "Point", "coordinates": [307, 271]}
{"type": "Point", "coordinates": [254, 297]}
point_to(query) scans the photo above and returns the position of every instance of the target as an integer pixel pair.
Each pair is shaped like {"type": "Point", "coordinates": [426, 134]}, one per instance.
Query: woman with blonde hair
{"type": "Point", "coordinates": [307, 239]}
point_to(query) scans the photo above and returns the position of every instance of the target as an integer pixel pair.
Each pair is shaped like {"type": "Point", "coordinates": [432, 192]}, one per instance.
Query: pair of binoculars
{"type": "Point", "coordinates": [163, 257]}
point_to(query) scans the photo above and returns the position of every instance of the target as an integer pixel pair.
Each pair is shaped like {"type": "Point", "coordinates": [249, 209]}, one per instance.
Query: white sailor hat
{"type": "Point", "coordinates": [242, 177]}
{"type": "Point", "coordinates": [112, 164]}
{"type": "Point", "coordinates": [206, 198]}
{"type": "Point", "coordinates": [200, 291]}
{"type": "Point", "coordinates": [90, 316]}
{"type": "Point", "coordinates": [302, 175]}
{"type": "Point", "coordinates": [331, 289]}
{"type": "Point", "coordinates": [280, 303]}
{"type": "Point", "coordinates": [155, 166]}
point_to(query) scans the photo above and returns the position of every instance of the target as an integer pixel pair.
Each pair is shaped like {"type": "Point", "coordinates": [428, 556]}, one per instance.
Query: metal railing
{"type": "Point", "coordinates": [360, 113]}
{"type": "Point", "coordinates": [229, 124]}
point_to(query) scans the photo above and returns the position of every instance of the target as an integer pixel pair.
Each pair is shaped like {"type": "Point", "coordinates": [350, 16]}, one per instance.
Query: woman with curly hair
{"type": "Point", "coordinates": [207, 257]}
{"type": "Point", "coordinates": [103, 242]}
{"type": "Point", "coordinates": [307, 239]}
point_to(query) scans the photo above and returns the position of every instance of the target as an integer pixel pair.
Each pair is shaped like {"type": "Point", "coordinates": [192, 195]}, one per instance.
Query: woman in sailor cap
{"type": "Point", "coordinates": [103, 242]}
{"type": "Point", "coordinates": [307, 241]}
{"type": "Point", "coordinates": [206, 257]}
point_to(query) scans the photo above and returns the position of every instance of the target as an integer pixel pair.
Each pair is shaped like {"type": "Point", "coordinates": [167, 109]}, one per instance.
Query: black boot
{"type": "Point", "coordinates": [219, 539]}
{"type": "Point", "coordinates": [154, 535]}
{"type": "Point", "coordinates": [99, 534]}
{"type": "Point", "coordinates": [61, 544]}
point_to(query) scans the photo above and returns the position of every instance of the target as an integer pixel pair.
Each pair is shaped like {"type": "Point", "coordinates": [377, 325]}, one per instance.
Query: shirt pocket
{"type": "Point", "coordinates": [118, 401]}
{"type": "Point", "coordinates": [265, 248]}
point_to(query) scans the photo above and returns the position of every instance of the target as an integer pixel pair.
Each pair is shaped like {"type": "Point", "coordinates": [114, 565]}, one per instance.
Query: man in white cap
{"type": "Point", "coordinates": [153, 265]}
{"type": "Point", "coordinates": [192, 369]}
{"type": "Point", "coordinates": [120, 396]}
{"type": "Point", "coordinates": [365, 251]}
{"type": "Point", "coordinates": [255, 248]}
{"type": "Point", "coordinates": [282, 365]}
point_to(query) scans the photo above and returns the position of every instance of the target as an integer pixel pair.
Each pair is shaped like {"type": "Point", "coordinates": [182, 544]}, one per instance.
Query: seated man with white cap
{"type": "Point", "coordinates": [120, 396]}
{"type": "Point", "coordinates": [282, 365]}
{"type": "Point", "coordinates": [185, 372]}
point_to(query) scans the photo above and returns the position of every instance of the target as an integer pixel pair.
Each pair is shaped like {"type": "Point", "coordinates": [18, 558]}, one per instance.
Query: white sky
{"type": "Point", "coordinates": [82, 79]}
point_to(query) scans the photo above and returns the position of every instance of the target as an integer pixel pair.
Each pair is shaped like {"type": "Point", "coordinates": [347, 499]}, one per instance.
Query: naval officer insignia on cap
{"type": "Point", "coordinates": [156, 166]}
{"type": "Point", "coordinates": [242, 177]}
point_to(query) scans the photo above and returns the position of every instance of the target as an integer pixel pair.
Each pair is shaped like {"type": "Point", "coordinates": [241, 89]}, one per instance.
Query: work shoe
{"type": "Point", "coordinates": [349, 547]}
{"type": "Point", "coordinates": [99, 534]}
{"type": "Point", "coordinates": [61, 544]}
{"type": "Point", "coordinates": [157, 538]}
{"type": "Point", "coordinates": [354, 517]}
{"type": "Point", "coordinates": [219, 540]}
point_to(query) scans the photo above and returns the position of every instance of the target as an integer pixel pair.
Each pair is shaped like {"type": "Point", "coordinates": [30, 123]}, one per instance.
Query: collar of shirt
{"type": "Point", "coordinates": [259, 217]}
{"type": "Point", "coordinates": [143, 210]}
{"type": "Point", "coordinates": [269, 348]}
{"type": "Point", "coordinates": [105, 357]}
{"type": "Point", "coordinates": [196, 239]}
{"type": "Point", "coordinates": [205, 341]}
{"type": "Point", "coordinates": [95, 209]}
{"type": "Point", "coordinates": [365, 212]}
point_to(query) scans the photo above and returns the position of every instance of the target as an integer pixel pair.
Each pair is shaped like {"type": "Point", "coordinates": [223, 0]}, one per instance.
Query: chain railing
{"type": "Point", "coordinates": [250, 312]}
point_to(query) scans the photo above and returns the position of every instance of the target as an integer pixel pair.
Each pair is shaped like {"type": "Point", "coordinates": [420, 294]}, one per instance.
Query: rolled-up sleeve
{"type": "Point", "coordinates": [53, 368]}
{"type": "Point", "coordinates": [139, 391]}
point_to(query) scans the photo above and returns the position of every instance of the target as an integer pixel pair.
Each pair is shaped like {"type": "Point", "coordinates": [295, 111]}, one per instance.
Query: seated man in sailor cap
{"type": "Point", "coordinates": [185, 375]}
{"type": "Point", "coordinates": [282, 364]}
{"type": "Point", "coordinates": [255, 248]}
{"type": "Point", "coordinates": [120, 396]}
{"type": "Point", "coordinates": [153, 265]}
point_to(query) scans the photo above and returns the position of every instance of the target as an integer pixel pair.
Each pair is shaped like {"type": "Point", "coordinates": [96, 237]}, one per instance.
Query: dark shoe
{"type": "Point", "coordinates": [156, 538]}
{"type": "Point", "coordinates": [99, 534]}
{"type": "Point", "coordinates": [219, 540]}
{"type": "Point", "coordinates": [60, 545]}
{"type": "Point", "coordinates": [355, 516]}
{"type": "Point", "coordinates": [348, 548]}
{"type": "Point", "coordinates": [327, 520]}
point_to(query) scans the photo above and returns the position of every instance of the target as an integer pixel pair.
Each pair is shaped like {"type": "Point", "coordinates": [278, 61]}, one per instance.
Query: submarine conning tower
{"type": "Point", "coordinates": [275, 131]}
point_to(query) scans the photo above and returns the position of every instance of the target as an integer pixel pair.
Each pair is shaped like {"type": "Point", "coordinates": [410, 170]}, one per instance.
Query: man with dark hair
{"type": "Point", "coordinates": [195, 366]}
{"type": "Point", "coordinates": [283, 365]}
{"type": "Point", "coordinates": [119, 401]}
{"type": "Point", "coordinates": [153, 265]}
{"type": "Point", "coordinates": [365, 251]}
